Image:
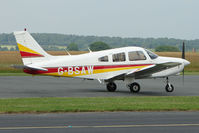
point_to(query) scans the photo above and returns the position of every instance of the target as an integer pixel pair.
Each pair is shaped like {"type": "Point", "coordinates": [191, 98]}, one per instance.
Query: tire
{"type": "Point", "coordinates": [111, 86]}
{"type": "Point", "coordinates": [169, 89]}
{"type": "Point", "coordinates": [134, 87]}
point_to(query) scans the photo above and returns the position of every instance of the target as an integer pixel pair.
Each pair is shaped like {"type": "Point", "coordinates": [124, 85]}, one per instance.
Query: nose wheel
{"type": "Point", "coordinates": [169, 87]}
{"type": "Point", "coordinates": [111, 86]}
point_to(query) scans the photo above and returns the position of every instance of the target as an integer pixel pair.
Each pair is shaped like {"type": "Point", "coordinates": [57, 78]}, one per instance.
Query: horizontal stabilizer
{"type": "Point", "coordinates": [36, 68]}
{"type": "Point", "coordinates": [29, 67]}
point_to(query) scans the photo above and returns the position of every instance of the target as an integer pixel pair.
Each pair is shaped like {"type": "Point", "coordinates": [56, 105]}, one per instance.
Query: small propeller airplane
{"type": "Point", "coordinates": [107, 66]}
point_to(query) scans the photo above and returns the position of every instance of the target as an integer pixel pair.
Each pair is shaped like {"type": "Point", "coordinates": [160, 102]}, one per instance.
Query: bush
{"type": "Point", "coordinates": [166, 48]}
{"type": "Point", "coordinates": [97, 46]}
{"type": "Point", "coordinates": [73, 47]}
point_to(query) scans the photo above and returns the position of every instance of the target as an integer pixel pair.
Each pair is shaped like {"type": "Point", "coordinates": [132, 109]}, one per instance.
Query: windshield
{"type": "Point", "coordinates": [151, 54]}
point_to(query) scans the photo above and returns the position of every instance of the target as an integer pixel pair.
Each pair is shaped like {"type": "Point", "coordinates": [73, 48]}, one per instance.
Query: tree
{"type": "Point", "coordinates": [97, 46]}
{"type": "Point", "coordinates": [52, 39]}
{"type": "Point", "coordinates": [166, 48]}
{"type": "Point", "coordinates": [3, 49]}
{"type": "Point", "coordinates": [73, 47]}
{"type": "Point", "coordinates": [12, 49]}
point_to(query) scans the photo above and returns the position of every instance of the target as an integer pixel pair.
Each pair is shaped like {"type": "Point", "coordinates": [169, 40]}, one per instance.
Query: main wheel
{"type": "Point", "coordinates": [111, 86]}
{"type": "Point", "coordinates": [134, 87]}
{"type": "Point", "coordinates": [169, 88]}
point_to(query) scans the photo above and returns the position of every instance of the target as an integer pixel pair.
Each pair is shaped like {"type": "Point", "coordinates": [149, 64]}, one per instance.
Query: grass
{"type": "Point", "coordinates": [99, 104]}
{"type": "Point", "coordinates": [191, 73]}
{"type": "Point", "coordinates": [7, 58]}
{"type": "Point", "coordinates": [14, 74]}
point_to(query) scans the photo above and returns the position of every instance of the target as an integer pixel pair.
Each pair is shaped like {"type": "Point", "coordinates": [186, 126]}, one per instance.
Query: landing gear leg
{"type": "Point", "coordinates": [169, 87]}
{"type": "Point", "coordinates": [111, 86]}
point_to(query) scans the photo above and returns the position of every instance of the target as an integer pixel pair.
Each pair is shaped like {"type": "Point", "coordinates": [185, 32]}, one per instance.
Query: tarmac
{"type": "Point", "coordinates": [44, 86]}
{"type": "Point", "coordinates": [106, 122]}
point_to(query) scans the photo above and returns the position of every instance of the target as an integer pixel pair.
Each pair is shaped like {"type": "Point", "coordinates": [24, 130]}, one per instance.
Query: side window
{"type": "Point", "coordinates": [136, 55]}
{"type": "Point", "coordinates": [119, 57]}
{"type": "Point", "coordinates": [103, 59]}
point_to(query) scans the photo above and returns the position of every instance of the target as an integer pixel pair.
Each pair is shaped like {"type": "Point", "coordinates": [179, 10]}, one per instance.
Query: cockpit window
{"type": "Point", "coordinates": [151, 54]}
{"type": "Point", "coordinates": [119, 57]}
{"type": "Point", "coordinates": [103, 59]}
{"type": "Point", "coordinates": [136, 55]}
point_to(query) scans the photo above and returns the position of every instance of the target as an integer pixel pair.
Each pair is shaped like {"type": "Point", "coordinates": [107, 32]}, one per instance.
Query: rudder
{"type": "Point", "coordinates": [29, 49]}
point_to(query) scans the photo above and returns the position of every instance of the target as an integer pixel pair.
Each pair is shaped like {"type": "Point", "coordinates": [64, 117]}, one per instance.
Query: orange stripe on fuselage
{"type": "Point", "coordinates": [85, 71]}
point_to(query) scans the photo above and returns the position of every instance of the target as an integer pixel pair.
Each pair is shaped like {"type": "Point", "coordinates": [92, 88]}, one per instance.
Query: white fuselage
{"type": "Point", "coordinates": [89, 65]}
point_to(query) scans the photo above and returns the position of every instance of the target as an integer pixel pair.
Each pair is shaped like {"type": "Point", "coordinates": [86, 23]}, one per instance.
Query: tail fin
{"type": "Point", "coordinates": [30, 50]}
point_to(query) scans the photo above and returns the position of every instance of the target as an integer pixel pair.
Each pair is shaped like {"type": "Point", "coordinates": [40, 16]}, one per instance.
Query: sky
{"type": "Point", "coordinates": [116, 18]}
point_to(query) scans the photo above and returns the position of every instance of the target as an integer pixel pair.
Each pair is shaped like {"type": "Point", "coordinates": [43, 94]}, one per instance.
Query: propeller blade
{"type": "Point", "coordinates": [183, 77]}
{"type": "Point", "coordinates": [183, 51]}
{"type": "Point", "coordinates": [183, 57]}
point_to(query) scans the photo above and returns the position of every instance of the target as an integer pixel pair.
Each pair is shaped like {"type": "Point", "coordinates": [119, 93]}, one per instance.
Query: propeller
{"type": "Point", "coordinates": [183, 50]}
{"type": "Point", "coordinates": [183, 57]}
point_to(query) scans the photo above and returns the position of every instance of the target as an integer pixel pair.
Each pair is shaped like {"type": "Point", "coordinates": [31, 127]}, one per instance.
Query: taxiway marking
{"type": "Point", "coordinates": [103, 126]}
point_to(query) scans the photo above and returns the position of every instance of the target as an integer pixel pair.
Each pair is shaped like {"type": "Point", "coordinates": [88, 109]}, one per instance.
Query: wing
{"type": "Point", "coordinates": [156, 68]}
{"type": "Point", "coordinates": [120, 75]}
{"type": "Point", "coordinates": [144, 72]}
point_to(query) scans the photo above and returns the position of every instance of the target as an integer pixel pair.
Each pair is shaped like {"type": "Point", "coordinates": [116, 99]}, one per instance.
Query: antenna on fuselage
{"type": "Point", "coordinates": [89, 50]}
{"type": "Point", "coordinates": [67, 52]}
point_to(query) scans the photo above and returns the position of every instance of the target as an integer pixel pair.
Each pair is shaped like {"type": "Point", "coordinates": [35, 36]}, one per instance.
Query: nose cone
{"type": "Point", "coordinates": [186, 62]}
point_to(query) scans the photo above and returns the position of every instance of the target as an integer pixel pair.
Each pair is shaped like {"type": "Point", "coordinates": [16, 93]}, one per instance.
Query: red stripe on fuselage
{"type": "Point", "coordinates": [29, 55]}
{"type": "Point", "coordinates": [55, 69]}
